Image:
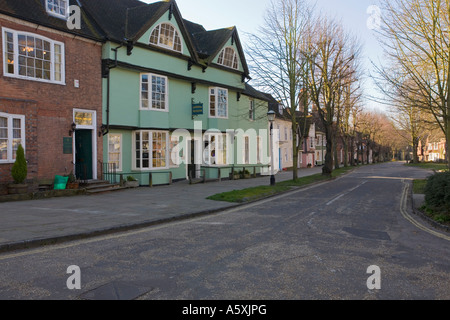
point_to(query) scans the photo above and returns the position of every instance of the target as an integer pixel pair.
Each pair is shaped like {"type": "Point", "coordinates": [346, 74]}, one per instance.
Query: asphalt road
{"type": "Point", "coordinates": [313, 244]}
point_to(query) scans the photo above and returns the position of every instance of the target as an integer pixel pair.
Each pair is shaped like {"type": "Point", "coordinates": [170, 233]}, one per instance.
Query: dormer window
{"type": "Point", "coordinates": [165, 35]}
{"type": "Point", "coordinates": [57, 8]}
{"type": "Point", "coordinates": [228, 58]}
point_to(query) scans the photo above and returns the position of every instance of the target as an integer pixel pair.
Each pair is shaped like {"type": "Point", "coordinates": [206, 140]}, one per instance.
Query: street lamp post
{"type": "Point", "coordinates": [271, 116]}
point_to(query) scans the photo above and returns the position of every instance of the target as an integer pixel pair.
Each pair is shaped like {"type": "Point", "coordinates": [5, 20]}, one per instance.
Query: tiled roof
{"type": "Point", "coordinates": [126, 20]}
{"type": "Point", "coordinates": [34, 11]}
{"type": "Point", "coordinates": [252, 92]}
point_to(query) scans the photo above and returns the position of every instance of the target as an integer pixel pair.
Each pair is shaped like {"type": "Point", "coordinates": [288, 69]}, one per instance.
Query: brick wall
{"type": "Point", "coordinates": [48, 108]}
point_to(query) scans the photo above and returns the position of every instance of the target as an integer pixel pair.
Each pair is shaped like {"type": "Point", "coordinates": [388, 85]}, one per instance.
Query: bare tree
{"type": "Point", "coordinates": [276, 59]}
{"type": "Point", "coordinates": [331, 54]}
{"type": "Point", "coordinates": [412, 122]}
{"type": "Point", "coordinates": [415, 36]}
{"type": "Point", "coordinates": [347, 114]}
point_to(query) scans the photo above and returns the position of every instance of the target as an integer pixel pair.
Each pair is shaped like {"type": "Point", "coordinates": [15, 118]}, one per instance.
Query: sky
{"type": "Point", "coordinates": [248, 16]}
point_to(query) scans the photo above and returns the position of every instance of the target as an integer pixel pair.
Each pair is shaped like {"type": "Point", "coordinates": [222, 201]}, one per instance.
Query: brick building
{"type": "Point", "coordinates": [50, 90]}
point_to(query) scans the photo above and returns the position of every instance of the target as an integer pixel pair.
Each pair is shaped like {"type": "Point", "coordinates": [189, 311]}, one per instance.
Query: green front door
{"type": "Point", "coordinates": [83, 154]}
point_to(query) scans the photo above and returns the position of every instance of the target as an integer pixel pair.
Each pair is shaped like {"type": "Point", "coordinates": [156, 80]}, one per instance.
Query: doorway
{"type": "Point", "coordinates": [83, 154]}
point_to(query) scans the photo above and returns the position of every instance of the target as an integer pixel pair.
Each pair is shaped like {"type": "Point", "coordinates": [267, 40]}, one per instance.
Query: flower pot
{"type": "Point", "coordinates": [73, 185]}
{"type": "Point", "coordinates": [132, 184]}
{"type": "Point", "coordinates": [17, 188]}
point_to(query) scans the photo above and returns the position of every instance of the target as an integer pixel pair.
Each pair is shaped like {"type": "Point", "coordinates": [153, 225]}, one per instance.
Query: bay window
{"type": "Point", "coordinates": [215, 149]}
{"type": "Point", "coordinates": [151, 150]}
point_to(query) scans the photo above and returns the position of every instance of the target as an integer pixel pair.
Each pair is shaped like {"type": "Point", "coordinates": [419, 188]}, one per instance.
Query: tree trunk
{"type": "Point", "coordinates": [368, 153]}
{"type": "Point", "coordinates": [447, 146]}
{"type": "Point", "coordinates": [345, 145]}
{"type": "Point", "coordinates": [295, 145]}
{"type": "Point", "coordinates": [352, 152]}
{"type": "Point", "coordinates": [415, 147]}
{"type": "Point", "coordinates": [327, 169]}
{"type": "Point", "coordinates": [335, 153]}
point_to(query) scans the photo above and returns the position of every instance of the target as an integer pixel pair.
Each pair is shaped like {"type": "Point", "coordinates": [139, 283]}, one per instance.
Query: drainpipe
{"type": "Point", "coordinates": [108, 87]}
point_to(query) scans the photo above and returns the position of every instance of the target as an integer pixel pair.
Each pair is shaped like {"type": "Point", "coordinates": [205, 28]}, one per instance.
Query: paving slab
{"type": "Point", "coordinates": [31, 223]}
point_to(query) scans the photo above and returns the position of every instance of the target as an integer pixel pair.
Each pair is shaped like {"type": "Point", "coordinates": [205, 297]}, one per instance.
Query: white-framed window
{"type": "Point", "coordinates": [218, 103]}
{"type": "Point", "coordinates": [229, 58]}
{"type": "Point", "coordinates": [251, 110]}
{"type": "Point", "coordinates": [12, 134]}
{"type": "Point", "coordinates": [175, 158]}
{"type": "Point", "coordinates": [151, 150]}
{"type": "Point", "coordinates": [57, 8]}
{"type": "Point", "coordinates": [166, 35]}
{"type": "Point", "coordinates": [215, 149]}
{"type": "Point", "coordinates": [32, 57]}
{"type": "Point", "coordinates": [246, 150]}
{"type": "Point", "coordinates": [258, 149]}
{"type": "Point", "coordinates": [115, 150]}
{"type": "Point", "coordinates": [154, 92]}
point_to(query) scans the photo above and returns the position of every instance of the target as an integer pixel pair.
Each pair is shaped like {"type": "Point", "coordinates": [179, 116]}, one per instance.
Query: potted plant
{"type": "Point", "coordinates": [245, 174]}
{"type": "Point", "coordinates": [19, 173]}
{"type": "Point", "coordinates": [235, 175]}
{"type": "Point", "coordinates": [72, 182]}
{"type": "Point", "coordinates": [131, 182]}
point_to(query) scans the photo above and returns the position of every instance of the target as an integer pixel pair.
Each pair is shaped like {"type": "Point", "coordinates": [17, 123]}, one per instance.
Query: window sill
{"type": "Point", "coordinates": [33, 79]}
{"type": "Point", "coordinates": [224, 118]}
{"type": "Point", "coordinates": [150, 109]}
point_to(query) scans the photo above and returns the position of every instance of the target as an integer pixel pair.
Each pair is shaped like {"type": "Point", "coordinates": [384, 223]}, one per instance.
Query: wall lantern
{"type": "Point", "coordinates": [72, 128]}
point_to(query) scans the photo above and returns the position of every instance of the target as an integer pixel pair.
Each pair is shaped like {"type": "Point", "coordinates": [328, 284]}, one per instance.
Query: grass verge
{"type": "Point", "coordinates": [419, 186]}
{"type": "Point", "coordinates": [255, 193]}
{"type": "Point", "coordinates": [249, 194]}
{"type": "Point", "coordinates": [429, 165]}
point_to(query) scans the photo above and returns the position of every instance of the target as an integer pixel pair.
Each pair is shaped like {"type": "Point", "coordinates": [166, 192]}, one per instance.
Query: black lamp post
{"type": "Point", "coordinates": [271, 115]}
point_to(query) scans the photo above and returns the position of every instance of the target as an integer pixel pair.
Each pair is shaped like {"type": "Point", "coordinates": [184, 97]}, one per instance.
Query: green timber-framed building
{"type": "Point", "coordinates": [163, 75]}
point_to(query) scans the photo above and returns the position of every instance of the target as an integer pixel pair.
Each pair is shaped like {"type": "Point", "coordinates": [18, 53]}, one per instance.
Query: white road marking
{"type": "Point", "coordinates": [345, 193]}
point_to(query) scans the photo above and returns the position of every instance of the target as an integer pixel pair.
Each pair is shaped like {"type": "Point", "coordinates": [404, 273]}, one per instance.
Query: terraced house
{"type": "Point", "coordinates": [171, 91]}
{"type": "Point", "coordinates": [122, 87]}
{"type": "Point", "coordinates": [50, 89]}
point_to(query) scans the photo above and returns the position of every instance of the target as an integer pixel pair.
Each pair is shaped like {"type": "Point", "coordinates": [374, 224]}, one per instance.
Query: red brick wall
{"type": "Point", "coordinates": [49, 107]}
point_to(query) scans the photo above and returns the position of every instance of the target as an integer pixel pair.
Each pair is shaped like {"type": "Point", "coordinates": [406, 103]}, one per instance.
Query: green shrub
{"type": "Point", "coordinates": [437, 192]}
{"type": "Point", "coordinates": [19, 170]}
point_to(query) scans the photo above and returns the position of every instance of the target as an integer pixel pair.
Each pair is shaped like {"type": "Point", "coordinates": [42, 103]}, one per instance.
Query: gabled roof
{"type": "Point", "coordinates": [34, 11]}
{"type": "Point", "coordinates": [210, 43]}
{"type": "Point", "coordinates": [125, 21]}
{"type": "Point", "coordinates": [128, 20]}
{"type": "Point", "coordinates": [140, 19]}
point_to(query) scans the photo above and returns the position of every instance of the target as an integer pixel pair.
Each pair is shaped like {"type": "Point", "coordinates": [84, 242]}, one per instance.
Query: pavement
{"type": "Point", "coordinates": [32, 223]}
